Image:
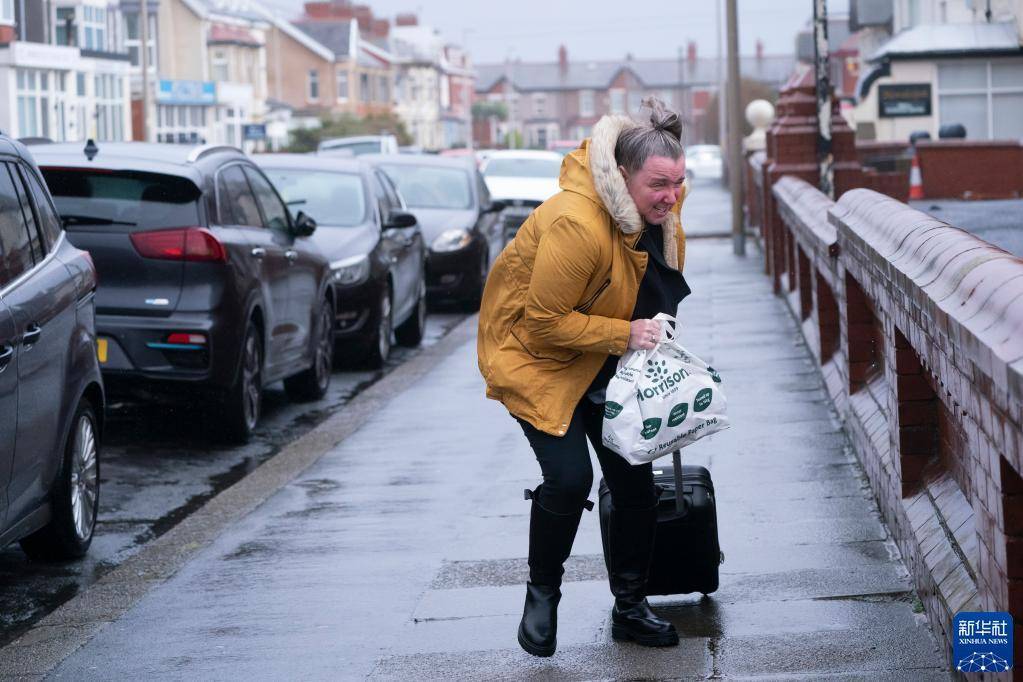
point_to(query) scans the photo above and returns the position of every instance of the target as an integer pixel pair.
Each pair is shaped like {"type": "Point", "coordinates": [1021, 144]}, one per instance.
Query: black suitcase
{"type": "Point", "coordinates": [686, 550]}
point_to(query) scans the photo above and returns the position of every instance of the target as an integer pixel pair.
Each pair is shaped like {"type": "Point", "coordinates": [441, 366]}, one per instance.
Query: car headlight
{"type": "Point", "coordinates": [451, 240]}
{"type": "Point", "coordinates": [354, 270]}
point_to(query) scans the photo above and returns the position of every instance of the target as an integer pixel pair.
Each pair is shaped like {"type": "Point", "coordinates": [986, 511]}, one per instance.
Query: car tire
{"type": "Point", "coordinates": [378, 346]}
{"type": "Point", "coordinates": [312, 384]}
{"type": "Point", "coordinates": [243, 401]}
{"type": "Point", "coordinates": [75, 496]}
{"type": "Point", "coordinates": [410, 333]}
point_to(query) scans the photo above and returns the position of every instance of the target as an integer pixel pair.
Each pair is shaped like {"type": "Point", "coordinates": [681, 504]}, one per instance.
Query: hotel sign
{"type": "Point", "coordinates": [186, 92]}
{"type": "Point", "coordinates": [904, 99]}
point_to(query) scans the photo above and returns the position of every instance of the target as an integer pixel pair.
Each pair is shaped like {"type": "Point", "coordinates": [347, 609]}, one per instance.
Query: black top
{"type": "Point", "coordinates": [661, 290]}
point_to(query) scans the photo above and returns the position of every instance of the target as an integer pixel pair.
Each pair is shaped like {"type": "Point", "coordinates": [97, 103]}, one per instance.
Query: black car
{"type": "Point", "coordinates": [458, 218]}
{"type": "Point", "coordinates": [209, 289]}
{"type": "Point", "coordinates": [51, 393]}
{"type": "Point", "coordinates": [375, 248]}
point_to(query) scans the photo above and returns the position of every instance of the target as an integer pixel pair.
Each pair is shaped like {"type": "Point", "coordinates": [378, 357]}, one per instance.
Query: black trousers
{"type": "Point", "coordinates": [568, 474]}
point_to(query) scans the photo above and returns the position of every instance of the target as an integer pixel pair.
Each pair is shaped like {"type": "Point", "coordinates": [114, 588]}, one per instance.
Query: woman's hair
{"type": "Point", "coordinates": [661, 136]}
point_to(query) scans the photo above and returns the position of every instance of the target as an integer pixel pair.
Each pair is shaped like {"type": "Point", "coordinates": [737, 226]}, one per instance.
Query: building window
{"type": "Point", "coordinates": [635, 101]}
{"type": "Point", "coordinates": [539, 105]}
{"type": "Point", "coordinates": [132, 39]}
{"type": "Point", "coordinates": [180, 124]}
{"type": "Point", "coordinates": [218, 66]}
{"type": "Point", "coordinates": [617, 101]}
{"type": "Point", "coordinates": [109, 94]}
{"type": "Point", "coordinates": [342, 86]}
{"type": "Point", "coordinates": [7, 11]}
{"type": "Point", "coordinates": [33, 103]}
{"type": "Point", "coordinates": [364, 87]}
{"type": "Point", "coordinates": [65, 28]}
{"type": "Point", "coordinates": [314, 85]}
{"type": "Point", "coordinates": [984, 96]}
{"type": "Point", "coordinates": [384, 89]}
{"type": "Point", "coordinates": [586, 103]}
{"type": "Point", "coordinates": [94, 25]}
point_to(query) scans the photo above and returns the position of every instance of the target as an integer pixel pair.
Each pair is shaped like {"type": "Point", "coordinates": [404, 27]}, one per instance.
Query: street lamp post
{"type": "Point", "coordinates": [822, 69]}
{"type": "Point", "coordinates": [735, 162]}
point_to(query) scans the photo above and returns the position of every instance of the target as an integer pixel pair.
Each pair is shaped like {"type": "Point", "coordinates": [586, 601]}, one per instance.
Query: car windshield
{"type": "Point", "coordinates": [431, 186]}
{"type": "Point", "coordinates": [122, 199]}
{"type": "Point", "coordinates": [332, 198]}
{"type": "Point", "coordinates": [523, 168]}
{"type": "Point", "coordinates": [356, 148]}
{"type": "Point", "coordinates": [704, 151]}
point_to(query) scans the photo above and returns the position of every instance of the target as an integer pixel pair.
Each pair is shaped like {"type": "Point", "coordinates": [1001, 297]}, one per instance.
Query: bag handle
{"type": "Point", "coordinates": [668, 331]}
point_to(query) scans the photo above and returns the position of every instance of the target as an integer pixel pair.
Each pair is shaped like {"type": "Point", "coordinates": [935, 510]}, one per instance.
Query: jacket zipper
{"type": "Point", "coordinates": [592, 299]}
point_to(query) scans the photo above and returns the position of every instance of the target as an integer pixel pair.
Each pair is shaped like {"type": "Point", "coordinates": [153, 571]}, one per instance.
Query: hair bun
{"type": "Point", "coordinates": [663, 118]}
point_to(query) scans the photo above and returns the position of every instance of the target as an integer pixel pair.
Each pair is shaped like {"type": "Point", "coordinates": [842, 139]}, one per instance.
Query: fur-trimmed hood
{"type": "Point", "coordinates": [592, 171]}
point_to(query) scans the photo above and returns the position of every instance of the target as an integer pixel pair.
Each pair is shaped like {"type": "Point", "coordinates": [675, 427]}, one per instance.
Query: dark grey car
{"type": "Point", "coordinates": [458, 218]}
{"type": "Point", "coordinates": [375, 247]}
{"type": "Point", "coordinates": [209, 288]}
{"type": "Point", "coordinates": [51, 394]}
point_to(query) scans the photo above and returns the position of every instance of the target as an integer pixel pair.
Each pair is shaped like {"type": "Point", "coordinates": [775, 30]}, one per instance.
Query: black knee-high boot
{"type": "Point", "coordinates": [631, 544]}
{"type": "Point", "coordinates": [550, 542]}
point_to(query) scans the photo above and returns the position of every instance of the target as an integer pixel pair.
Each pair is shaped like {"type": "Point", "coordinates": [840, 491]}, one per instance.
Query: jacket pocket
{"type": "Point", "coordinates": [588, 303]}
{"type": "Point", "coordinates": [542, 352]}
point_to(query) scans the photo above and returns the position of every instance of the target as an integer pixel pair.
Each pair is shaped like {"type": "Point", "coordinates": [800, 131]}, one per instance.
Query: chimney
{"type": "Point", "coordinates": [691, 52]}
{"type": "Point", "coordinates": [407, 19]}
{"type": "Point", "coordinates": [760, 50]}
{"type": "Point", "coordinates": [562, 59]}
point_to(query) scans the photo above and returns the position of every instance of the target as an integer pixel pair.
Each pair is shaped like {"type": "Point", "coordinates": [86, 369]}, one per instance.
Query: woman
{"type": "Point", "coordinates": [578, 286]}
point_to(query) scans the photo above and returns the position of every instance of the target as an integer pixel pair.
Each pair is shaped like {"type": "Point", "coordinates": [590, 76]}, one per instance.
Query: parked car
{"type": "Point", "coordinates": [458, 218]}
{"type": "Point", "coordinates": [703, 162]}
{"type": "Point", "coordinates": [523, 180]}
{"type": "Point", "coordinates": [375, 247]}
{"type": "Point", "coordinates": [209, 288]}
{"type": "Point", "coordinates": [359, 145]}
{"type": "Point", "coordinates": [563, 147]}
{"type": "Point", "coordinates": [51, 393]}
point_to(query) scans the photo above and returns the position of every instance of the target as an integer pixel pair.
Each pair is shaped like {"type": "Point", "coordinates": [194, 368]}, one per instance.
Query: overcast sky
{"type": "Point", "coordinates": [532, 30]}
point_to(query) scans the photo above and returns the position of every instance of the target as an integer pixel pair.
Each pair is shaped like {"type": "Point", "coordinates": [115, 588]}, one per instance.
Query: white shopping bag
{"type": "Point", "coordinates": [661, 400]}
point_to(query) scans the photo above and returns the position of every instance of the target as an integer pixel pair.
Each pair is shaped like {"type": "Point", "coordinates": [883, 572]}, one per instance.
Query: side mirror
{"type": "Point", "coordinates": [495, 206]}
{"type": "Point", "coordinates": [303, 226]}
{"type": "Point", "coordinates": [399, 219]}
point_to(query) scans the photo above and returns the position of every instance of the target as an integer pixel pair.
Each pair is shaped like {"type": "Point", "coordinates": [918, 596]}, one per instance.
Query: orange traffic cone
{"type": "Point", "coordinates": [916, 183]}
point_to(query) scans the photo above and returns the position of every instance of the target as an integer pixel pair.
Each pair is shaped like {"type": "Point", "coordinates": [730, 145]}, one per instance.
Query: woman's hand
{"type": "Point", "coordinates": [644, 334]}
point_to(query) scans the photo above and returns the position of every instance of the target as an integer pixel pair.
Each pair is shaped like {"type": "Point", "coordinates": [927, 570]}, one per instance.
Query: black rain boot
{"type": "Point", "coordinates": [631, 544]}
{"type": "Point", "coordinates": [550, 541]}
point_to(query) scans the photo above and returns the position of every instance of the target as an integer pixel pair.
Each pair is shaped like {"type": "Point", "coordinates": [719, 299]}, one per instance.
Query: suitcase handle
{"type": "Point", "coordinates": [677, 461]}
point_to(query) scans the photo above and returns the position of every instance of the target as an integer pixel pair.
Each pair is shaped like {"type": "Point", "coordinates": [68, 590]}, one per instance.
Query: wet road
{"type": "Point", "coordinates": [160, 464]}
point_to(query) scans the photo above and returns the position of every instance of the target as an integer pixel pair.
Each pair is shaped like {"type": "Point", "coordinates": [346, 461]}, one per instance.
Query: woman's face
{"type": "Point", "coordinates": [656, 186]}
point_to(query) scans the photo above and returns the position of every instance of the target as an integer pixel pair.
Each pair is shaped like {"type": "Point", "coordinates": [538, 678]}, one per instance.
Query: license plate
{"type": "Point", "coordinates": [101, 350]}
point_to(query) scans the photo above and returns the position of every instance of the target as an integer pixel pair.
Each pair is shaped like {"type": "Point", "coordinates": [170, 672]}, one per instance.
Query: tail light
{"type": "Point", "coordinates": [180, 243]}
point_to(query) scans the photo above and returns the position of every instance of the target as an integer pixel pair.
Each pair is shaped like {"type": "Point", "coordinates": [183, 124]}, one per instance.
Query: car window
{"type": "Point", "coordinates": [15, 247]}
{"type": "Point", "coordinates": [428, 186]}
{"type": "Point", "coordinates": [392, 195]}
{"type": "Point", "coordinates": [522, 168]}
{"type": "Point", "coordinates": [481, 188]}
{"type": "Point", "coordinates": [332, 199]}
{"type": "Point", "coordinates": [275, 213]}
{"type": "Point", "coordinates": [381, 196]}
{"type": "Point", "coordinates": [45, 212]}
{"type": "Point", "coordinates": [236, 203]}
{"type": "Point", "coordinates": [35, 238]}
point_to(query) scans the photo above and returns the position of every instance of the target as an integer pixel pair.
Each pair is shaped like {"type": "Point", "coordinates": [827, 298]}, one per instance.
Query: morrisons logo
{"type": "Point", "coordinates": [664, 381]}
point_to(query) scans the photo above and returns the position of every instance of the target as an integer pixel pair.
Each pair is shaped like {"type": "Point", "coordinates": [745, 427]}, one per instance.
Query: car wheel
{"type": "Point", "coordinates": [379, 343]}
{"type": "Point", "coordinates": [410, 332]}
{"type": "Point", "coordinates": [75, 495]}
{"type": "Point", "coordinates": [312, 384]}
{"type": "Point", "coordinates": [244, 400]}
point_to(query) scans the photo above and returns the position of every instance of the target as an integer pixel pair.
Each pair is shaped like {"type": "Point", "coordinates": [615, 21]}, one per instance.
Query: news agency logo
{"type": "Point", "coordinates": [982, 641]}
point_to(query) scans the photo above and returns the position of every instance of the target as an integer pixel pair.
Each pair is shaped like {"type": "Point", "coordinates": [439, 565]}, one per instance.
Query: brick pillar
{"type": "Point", "coordinates": [848, 171]}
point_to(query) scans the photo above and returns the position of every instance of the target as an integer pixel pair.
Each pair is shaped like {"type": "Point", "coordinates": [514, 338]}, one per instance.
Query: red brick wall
{"type": "Point", "coordinates": [7, 34]}
{"type": "Point", "coordinates": [925, 373]}
{"type": "Point", "coordinates": [971, 169]}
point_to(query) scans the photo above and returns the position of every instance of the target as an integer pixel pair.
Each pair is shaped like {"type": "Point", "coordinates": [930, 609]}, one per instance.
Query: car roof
{"type": "Point", "coordinates": [173, 159]}
{"type": "Point", "coordinates": [354, 139]}
{"type": "Point", "coordinates": [523, 154]}
{"type": "Point", "coordinates": [461, 162]}
{"type": "Point", "coordinates": [347, 164]}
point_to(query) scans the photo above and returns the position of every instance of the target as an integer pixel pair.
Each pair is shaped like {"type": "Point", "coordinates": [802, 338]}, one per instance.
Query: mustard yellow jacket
{"type": "Point", "coordinates": [559, 297]}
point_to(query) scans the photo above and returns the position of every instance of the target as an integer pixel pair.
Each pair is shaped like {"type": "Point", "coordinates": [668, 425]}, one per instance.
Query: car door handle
{"type": "Point", "coordinates": [291, 255]}
{"type": "Point", "coordinates": [31, 336]}
{"type": "Point", "coordinates": [258, 252]}
{"type": "Point", "coordinates": [6, 355]}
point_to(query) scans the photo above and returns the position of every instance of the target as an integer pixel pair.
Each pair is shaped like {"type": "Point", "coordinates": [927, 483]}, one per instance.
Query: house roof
{"type": "Point", "coordinates": [927, 40]}
{"type": "Point", "coordinates": [236, 35]}
{"type": "Point", "coordinates": [291, 31]}
{"type": "Point", "coordinates": [334, 35]}
{"type": "Point", "coordinates": [652, 73]}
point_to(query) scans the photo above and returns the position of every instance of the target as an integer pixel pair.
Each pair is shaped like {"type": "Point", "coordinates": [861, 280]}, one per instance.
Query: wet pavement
{"type": "Point", "coordinates": [159, 464]}
{"type": "Point", "coordinates": [707, 210]}
{"type": "Point", "coordinates": [400, 554]}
